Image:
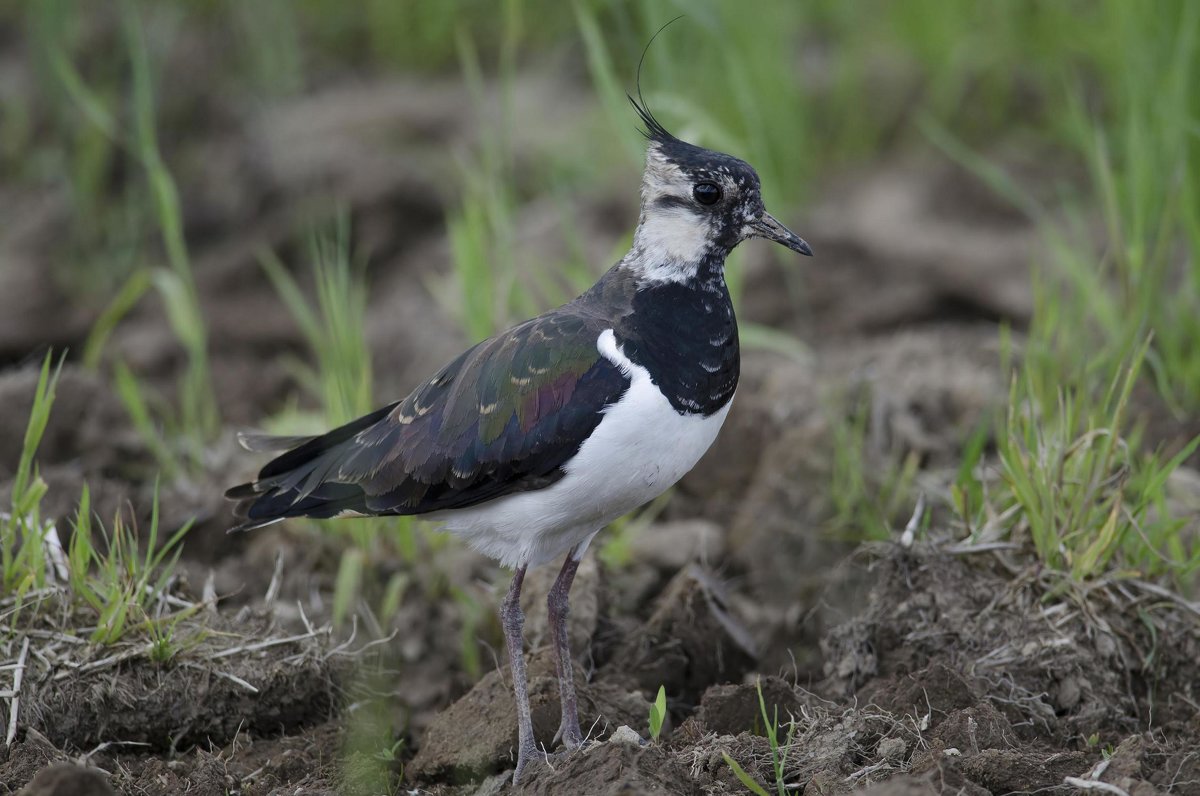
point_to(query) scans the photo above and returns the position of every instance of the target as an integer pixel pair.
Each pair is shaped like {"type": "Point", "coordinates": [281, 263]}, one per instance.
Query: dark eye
{"type": "Point", "coordinates": [707, 193]}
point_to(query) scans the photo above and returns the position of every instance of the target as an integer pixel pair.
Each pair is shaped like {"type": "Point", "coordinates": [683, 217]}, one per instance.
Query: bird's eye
{"type": "Point", "coordinates": [707, 193]}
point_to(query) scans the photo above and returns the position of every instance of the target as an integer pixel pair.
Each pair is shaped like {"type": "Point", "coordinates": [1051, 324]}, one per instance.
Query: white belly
{"type": "Point", "coordinates": [641, 447]}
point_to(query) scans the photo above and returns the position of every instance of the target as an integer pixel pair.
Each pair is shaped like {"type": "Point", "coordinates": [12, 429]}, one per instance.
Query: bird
{"type": "Point", "coordinates": [530, 442]}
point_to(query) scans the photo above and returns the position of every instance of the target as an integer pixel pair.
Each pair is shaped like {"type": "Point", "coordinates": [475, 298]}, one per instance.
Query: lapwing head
{"type": "Point", "coordinates": [697, 205]}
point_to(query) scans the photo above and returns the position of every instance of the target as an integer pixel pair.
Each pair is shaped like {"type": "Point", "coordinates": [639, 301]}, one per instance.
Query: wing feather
{"type": "Point", "coordinates": [503, 417]}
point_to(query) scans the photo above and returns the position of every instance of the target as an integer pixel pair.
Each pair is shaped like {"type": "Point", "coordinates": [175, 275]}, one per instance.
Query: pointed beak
{"type": "Point", "coordinates": [769, 227]}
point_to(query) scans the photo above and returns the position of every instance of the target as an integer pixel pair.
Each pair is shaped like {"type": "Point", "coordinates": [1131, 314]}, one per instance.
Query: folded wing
{"type": "Point", "coordinates": [503, 417]}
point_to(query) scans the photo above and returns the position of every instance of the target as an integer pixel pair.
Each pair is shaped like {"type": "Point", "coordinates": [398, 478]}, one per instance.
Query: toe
{"type": "Point", "coordinates": [570, 736]}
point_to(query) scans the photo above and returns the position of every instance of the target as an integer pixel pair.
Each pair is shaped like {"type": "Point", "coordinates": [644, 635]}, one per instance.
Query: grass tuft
{"type": "Point", "coordinates": [869, 488]}
{"type": "Point", "coordinates": [24, 537]}
{"type": "Point", "coordinates": [123, 588]}
{"type": "Point", "coordinates": [1075, 482]}
{"type": "Point", "coordinates": [779, 749]}
{"type": "Point", "coordinates": [341, 380]}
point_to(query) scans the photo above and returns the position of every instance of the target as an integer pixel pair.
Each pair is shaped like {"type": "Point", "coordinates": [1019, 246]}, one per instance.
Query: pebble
{"type": "Point", "coordinates": [626, 735]}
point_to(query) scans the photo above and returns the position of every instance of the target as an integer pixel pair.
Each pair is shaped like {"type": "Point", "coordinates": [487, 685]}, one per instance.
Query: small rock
{"type": "Point", "coordinates": [673, 545]}
{"type": "Point", "coordinates": [892, 749]}
{"type": "Point", "coordinates": [494, 785]}
{"type": "Point", "coordinates": [1127, 759]}
{"type": "Point", "coordinates": [626, 734]}
{"type": "Point", "coordinates": [1070, 691]}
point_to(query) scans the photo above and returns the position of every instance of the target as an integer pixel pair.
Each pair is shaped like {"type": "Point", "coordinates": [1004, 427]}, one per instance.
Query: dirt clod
{"type": "Point", "coordinates": [690, 641]}
{"type": "Point", "coordinates": [477, 735]}
{"type": "Point", "coordinates": [1008, 770]}
{"type": "Point", "coordinates": [29, 753]}
{"type": "Point", "coordinates": [611, 769]}
{"type": "Point", "coordinates": [68, 779]}
{"type": "Point", "coordinates": [731, 709]}
{"type": "Point", "coordinates": [192, 699]}
{"type": "Point", "coordinates": [976, 728]}
{"type": "Point", "coordinates": [933, 691]}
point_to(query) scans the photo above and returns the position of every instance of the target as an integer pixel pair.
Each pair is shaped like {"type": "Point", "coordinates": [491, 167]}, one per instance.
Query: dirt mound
{"type": "Point", "coordinates": [612, 768]}
{"type": "Point", "coordinates": [1056, 665]}
{"type": "Point", "coordinates": [477, 735]}
{"type": "Point", "coordinates": [954, 678]}
{"type": "Point", "coordinates": [228, 678]}
{"type": "Point", "coordinates": [303, 763]}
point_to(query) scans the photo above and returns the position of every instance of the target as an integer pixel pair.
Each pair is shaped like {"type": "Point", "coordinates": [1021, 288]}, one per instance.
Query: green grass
{"type": "Point", "coordinates": [340, 379]}
{"type": "Point", "coordinates": [780, 747]}
{"type": "Point", "coordinates": [23, 534]}
{"type": "Point", "coordinates": [102, 245]}
{"type": "Point", "coordinates": [869, 489]}
{"type": "Point", "coordinates": [341, 376]}
{"type": "Point", "coordinates": [119, 578]}
{"type": "Point", "coordinates": [489, 289]}
{"type": "Point", "coordinates": [658, 713]}
{"type": "Point", "coordinates": [195, 422]}
{"type": "Point", "coordinates": [124, 579]}
{"type": "Point", "coordinates": [1075, 482]}
{"type": "Point", "coordinates": [1144, 168]}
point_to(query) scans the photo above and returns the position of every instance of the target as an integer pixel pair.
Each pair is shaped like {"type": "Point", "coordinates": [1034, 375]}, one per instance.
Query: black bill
{"type": "Point", "coordinates": [769, 227]}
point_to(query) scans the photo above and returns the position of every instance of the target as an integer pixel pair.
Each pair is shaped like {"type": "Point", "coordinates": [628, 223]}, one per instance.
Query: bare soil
{"type": "Point", "coordinates": [904, 671]}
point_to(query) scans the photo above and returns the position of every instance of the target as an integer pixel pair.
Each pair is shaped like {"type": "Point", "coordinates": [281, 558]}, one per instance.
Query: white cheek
{"type": "Point", "coordinates": [672, 241]}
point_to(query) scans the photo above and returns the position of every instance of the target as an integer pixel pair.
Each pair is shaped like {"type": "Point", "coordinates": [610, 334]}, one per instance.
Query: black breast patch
{"type": "Point", "coordinates": [685, 335]}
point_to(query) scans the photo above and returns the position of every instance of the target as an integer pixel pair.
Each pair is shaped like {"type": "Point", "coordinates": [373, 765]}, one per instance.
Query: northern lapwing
{"type": "Point", "coordinates": [530, 442]}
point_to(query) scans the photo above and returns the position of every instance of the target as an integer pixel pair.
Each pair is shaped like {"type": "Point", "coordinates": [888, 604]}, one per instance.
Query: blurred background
{"type": "Point", "coordinates": [279, 215]}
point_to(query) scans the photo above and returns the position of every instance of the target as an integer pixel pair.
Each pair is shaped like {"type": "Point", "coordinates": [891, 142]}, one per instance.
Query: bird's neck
{"type": "Point", "coordinates": [674, 247]}
{"type": "Point", "coordinates": [677, 321]}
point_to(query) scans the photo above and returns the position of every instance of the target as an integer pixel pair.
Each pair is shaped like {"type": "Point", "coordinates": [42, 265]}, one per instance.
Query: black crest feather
{"type": "Point", "coordinates": [654, 131]}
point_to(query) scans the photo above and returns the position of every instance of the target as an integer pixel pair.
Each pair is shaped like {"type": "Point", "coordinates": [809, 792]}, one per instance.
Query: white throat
{"type": "Point", "coordinates": [668, 246]}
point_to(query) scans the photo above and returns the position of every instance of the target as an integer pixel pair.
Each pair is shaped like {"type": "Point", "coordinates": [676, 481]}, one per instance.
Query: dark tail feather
{"type": "Point", "coordinates": [327, 500]}
{"type": "Point", "coordinates": [313, 447]}
{"type": "Point", "coordinates": [293, 485]}
{"type": "Point", "coordinates": [261, 443]}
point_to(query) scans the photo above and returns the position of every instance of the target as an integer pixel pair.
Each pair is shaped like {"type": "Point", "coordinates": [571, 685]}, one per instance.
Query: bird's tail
{"type": "Point", "coordinates": [296, 483]}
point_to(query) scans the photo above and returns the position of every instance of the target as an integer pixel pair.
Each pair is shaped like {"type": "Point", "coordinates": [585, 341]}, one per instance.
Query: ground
{"type": "Point", "coordinates": [895, 667]}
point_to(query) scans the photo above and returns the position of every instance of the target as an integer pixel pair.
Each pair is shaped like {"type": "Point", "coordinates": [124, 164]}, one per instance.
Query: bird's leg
{"type": "Point", "coordinates": [557, 603]}
{"type": "Point", "coordinates": [513, 622]}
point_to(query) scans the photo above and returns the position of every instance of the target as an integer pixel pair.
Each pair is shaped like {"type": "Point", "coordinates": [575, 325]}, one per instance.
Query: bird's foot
{"type": "Point", "coordinates": [526, 753]}
{"type": "Point", "coordinates": [540, 757]}
{"type": "Point", "coordinates": [569, 734]}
